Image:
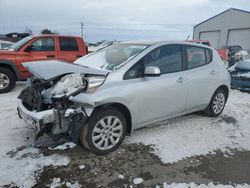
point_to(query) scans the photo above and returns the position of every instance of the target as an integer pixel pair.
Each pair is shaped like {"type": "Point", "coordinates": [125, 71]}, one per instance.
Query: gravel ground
{"type": "Point", "coordinates": [136, 160]}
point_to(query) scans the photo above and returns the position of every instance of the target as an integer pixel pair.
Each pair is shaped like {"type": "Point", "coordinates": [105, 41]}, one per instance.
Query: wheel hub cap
{"type": "Point", "coordinates": [4, 81]}
{"type": "Point", "coordinates": [107, 132]}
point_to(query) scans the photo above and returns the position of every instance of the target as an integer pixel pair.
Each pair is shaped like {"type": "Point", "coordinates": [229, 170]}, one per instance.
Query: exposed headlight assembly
{"type": "Point", "coordinates": [68, 85]}
{"type": "Point", "coordinates": [94, 82]}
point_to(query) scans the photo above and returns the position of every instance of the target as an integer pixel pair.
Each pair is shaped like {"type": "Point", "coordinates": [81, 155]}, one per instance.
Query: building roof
{"type": "Point", "coordinates": [235, 9]}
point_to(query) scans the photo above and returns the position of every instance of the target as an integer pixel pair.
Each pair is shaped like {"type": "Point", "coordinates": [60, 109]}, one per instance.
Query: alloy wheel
{"type": "Point", "coordinates": [107, 132]}
{"type": "Point", "coordinates": [218, 103]}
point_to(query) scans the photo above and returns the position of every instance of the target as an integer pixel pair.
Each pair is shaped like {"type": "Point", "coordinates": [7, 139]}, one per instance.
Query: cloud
{"type": "Point", "coordinates": [117, 18]}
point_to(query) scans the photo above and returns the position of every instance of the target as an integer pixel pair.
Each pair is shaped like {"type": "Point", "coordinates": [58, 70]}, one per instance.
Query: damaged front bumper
{"type": "Point", "coordinates": [38, 119]}
{"type": "Point", "coordinates": [48, 106]}
{"type": "Point", "coordinates": [54, 122]}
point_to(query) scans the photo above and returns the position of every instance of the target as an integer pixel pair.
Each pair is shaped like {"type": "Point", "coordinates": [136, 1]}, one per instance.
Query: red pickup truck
{"type": "Point", "coordinates": [35, 48]}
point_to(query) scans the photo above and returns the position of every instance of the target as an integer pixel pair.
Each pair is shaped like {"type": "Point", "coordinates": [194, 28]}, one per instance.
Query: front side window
{"type": "Point", "coordinates": [168, 58]}
{"type": "Point", "coordinates": [43, 44]}
{"type": "Point", "coordinates": [195, 56]}
{"type": "Point", "coordinates": [68, 44]}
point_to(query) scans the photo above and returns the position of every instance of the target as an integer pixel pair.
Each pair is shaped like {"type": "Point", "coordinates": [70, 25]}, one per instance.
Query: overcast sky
{"type": "Point", "coordinates": [113, 19]}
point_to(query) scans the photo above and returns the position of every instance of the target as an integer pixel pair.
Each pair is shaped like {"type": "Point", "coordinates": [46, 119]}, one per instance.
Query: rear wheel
{"type": "Point", "coordinates": [104, 131]}
{"type": "Point", "coordinates": [217, 103]}
{"type": "Point", "coordinates": [7, 80]}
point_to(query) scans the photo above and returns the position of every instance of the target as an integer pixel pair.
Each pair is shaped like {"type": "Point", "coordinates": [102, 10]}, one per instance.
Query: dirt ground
{"type": "Point", "coordinates": [136, 160]}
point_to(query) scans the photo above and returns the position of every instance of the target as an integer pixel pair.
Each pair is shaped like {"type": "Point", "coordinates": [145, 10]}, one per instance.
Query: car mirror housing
{"type": "Point", "coordinates": [152, 71]}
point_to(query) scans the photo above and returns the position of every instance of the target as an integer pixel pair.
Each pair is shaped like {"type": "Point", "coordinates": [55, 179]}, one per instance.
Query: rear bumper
{"type": "Point", "coordinates": [37, 119]}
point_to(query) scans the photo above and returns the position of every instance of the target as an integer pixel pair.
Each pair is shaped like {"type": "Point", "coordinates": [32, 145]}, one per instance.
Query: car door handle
{"type": "Point", "coordinates": [213, 72]}
{"type": "Point", "coordinates": [78, 55]}
{"type": "Point", "coordinates": [181, 79]}
{"type": "Point", "coordinates": [51, 56]}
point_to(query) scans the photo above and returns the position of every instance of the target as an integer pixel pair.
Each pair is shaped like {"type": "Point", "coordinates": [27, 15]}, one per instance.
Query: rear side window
{"type": "Point", "coordinates": [196, 56]}
{"type": "Point", "coordinates": [68, 44]}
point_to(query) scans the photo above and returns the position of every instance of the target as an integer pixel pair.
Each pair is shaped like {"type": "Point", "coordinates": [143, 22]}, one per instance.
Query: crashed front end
{"type": "Point", "coordinates": [240, 76]}
{"type": "Point", "coordinates": [46, 104]}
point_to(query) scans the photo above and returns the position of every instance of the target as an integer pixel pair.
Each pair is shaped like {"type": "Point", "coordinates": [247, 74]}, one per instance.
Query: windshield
{"type": "Point", "coordinates": [112, 57]}
{"type": "Point", "coordinates": [20, 43]}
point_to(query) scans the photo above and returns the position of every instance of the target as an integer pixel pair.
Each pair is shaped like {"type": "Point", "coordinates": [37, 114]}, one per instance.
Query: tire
{"type": "Point", "coordinates": [99, 136]}
{"type": "Point", "coordinates": [7, 80]}
{"type": "Point", "coordinates": [217, 103]}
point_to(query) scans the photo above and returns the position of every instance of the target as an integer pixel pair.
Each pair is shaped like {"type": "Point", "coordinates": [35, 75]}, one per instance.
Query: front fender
{"type": "Point", "coordinates": [92, 100]}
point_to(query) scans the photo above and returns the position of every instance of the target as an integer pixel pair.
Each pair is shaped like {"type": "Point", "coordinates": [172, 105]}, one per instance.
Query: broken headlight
{"type": "Point", "coordinates": [68, 85]}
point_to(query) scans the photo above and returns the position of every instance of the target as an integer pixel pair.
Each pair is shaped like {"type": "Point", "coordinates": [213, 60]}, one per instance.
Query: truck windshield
{"type": "Point", "coordinates": [20, 43]}
{"type": "Point", "coordinates": [112, 57]}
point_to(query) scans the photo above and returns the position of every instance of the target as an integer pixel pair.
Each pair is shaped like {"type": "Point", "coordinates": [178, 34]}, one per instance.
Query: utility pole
{"type": "Point", "coordinates": [82, 29]}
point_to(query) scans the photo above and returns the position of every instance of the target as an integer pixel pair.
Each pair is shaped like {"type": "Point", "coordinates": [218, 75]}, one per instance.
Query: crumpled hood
{"type": "Point", "coordinates": [48, 70]}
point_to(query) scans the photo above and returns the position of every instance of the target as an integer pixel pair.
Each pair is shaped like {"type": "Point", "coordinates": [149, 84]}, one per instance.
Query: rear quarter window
{"type": "Point", "coordinates": [68, 44]}
{"type": "Point", "coordinates": [209, 55]}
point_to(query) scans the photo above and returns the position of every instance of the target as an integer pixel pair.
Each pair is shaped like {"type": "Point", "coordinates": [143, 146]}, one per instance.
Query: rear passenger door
{"type": "Point", "coordinates": [200, 74]}
{"type": "Point", "coordinates": [68, 49]}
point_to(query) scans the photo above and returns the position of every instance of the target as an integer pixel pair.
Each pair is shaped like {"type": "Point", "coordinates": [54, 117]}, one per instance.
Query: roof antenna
{"type": "Point", "coordinates": [188, 37]}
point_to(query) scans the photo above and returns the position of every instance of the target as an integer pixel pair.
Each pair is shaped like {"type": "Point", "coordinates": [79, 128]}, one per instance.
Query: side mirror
{"type": "Point", "coordinates": [29, 48]}
{"type": "Point", "coordinates": [152, 71]}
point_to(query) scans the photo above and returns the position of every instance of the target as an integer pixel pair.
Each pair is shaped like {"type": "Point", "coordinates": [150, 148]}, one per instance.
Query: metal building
{"type": "Point", "coordinates": [231, 27]}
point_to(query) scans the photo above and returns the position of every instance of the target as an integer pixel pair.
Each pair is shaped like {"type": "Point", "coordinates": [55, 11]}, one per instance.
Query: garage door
{"type": "Point", "coordinates": [239, 37]}
{"type": "Point", "coordinates": [212, 36]}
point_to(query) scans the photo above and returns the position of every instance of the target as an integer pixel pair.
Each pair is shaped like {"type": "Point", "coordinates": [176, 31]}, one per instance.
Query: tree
{"type": "Point", "coordinates": [46, 31]}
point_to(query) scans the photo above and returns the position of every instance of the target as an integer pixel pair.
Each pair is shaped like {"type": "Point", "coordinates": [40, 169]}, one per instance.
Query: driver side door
{"type": "Point", "coordinates": [166, 95]}
{"type": "Point", "coordinates": [42, 49]}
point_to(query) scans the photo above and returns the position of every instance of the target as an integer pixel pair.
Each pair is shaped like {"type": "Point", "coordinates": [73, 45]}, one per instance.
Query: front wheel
{"type": "Point", "coordinates": [217, 103]}
{"type": "Point", "coordinates": [104, 131]}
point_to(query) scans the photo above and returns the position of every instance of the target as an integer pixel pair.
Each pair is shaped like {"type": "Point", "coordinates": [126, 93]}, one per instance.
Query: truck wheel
{"type": "Point", "coordinates": [104, 131]}
{"type": "Point", "coordinates": [7, 80]}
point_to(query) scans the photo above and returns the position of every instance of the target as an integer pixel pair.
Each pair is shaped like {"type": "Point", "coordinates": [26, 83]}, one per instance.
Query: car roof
{"type": "Point", "coordinates": [54, 35]}
{"type": "Point", "coordinates": [139, 42]}
{"type": "Point", "coordinates": [150, 42]}
{"type": "Point", "coordinates": [197, 40]}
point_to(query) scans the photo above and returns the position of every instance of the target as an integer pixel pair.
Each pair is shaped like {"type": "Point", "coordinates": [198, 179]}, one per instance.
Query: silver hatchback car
{"type": "Point", "coordinates": [105, 95]}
